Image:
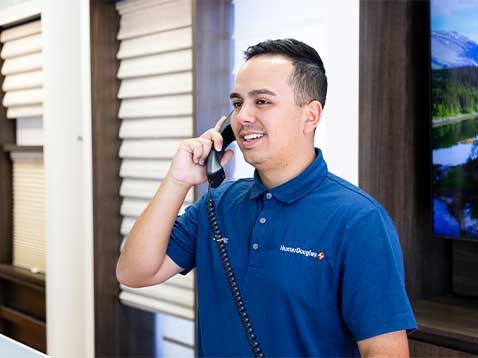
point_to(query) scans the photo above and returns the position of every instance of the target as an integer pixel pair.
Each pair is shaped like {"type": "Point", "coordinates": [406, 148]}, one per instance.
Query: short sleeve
{"type": "Point", "coordinates": [182, 242]}
{"type": "Point", "coordinates": [373, 297]}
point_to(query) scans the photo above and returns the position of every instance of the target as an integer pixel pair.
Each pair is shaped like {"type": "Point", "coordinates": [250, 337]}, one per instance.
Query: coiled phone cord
{"type": "Point", "coordinates": [231, 279]}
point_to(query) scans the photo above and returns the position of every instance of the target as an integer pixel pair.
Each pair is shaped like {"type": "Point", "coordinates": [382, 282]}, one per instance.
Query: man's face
{"type": "Point", "coordinates": [266, 121]}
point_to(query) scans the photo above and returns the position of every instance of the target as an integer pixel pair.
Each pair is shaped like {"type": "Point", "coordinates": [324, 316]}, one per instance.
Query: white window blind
{"type": "Point", "coordinates": [23, 98]}
{"type": "Point", "coordinates": [28, 211]}
{"type": "Point", "coordinates": [156, 115]}
{"type": "Point", "coordinates": [23, 83]}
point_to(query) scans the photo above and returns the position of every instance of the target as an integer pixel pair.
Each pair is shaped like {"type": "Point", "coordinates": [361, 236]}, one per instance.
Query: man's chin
{"type": "Point", "coordinates": [257, 161]}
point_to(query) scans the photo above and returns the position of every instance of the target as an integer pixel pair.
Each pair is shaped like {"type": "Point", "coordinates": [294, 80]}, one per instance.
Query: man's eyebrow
{"type": "Point", "coordinates": [253, 93]}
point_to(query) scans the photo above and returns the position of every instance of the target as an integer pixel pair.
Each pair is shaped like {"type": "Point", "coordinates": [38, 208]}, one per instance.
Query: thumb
{"type": "Point", "coordinates": [228, 154]}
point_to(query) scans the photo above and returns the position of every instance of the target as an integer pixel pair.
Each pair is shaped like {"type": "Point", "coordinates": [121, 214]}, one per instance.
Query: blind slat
{"type": "Point", "coordinates": [20, 64]}
{"type": "Point", "coordinates": [20, 31]}
{"type": "Point", "coordinates": [154, 127]}
{"type": "Point", "coordinates": [154, 305]}
{"type": "Point", "coordinates": [156, 64]}
{"type": "Point", "coordinates": [23, 46]}
{"type": "Point", "coordinates": [163, 16]}
{"type": "Point", "coordinates": [143, 168]}
{"type": "Point", "coordinates": [180, 105]}
{"type": "Point", "coordinates": [23, 97]}
{"type": "Point", "coordinates": [156, 85]}
{"type": "Point", "coordinates": [25, 111]}
{"type": "Point", "coordinates": [167, 41]}
{"type": "Point", "coordinates": [23, 81]}
{"type": "Point", "coordinates": [160, 148]}
{"type": "Point", "coordinates": [165, 292]}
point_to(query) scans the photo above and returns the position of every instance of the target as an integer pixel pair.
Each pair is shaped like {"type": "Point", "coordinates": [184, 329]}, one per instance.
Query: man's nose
{"type": "Point", "coordinates": [246, 114]}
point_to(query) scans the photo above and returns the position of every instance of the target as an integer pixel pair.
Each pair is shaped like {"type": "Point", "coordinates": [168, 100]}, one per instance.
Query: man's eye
{"type": "Point", "coordinates": [236, 104]}
{"type": "Point", "coordinates": [262, 101]}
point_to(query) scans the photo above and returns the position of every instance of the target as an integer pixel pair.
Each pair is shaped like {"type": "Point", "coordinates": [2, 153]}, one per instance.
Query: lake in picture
{"type": "Point", "coordinates": [454, 64]}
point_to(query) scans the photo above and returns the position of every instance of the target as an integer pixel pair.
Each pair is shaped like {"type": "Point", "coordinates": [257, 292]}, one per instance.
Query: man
{"type": "Point", "coordinates": [317, 260]}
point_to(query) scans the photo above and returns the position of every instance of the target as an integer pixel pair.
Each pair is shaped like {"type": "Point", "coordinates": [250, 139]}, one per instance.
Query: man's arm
{"type": "Point", "coordinates": [393, 344]}
{"type": "Point", "coordinates": [143, 260]}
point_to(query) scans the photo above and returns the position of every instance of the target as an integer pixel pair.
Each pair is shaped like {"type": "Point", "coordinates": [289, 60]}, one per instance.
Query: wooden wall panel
{"type": "Point", "coordinates": [394, 142]}
{"type": "Point", "coordinates": [465, 268]}
{"type": "Point", "coordinates": [212, 64]}
{"type": "Point", "coordinates": [119, 330]}
{"type": "Point", "coordinates": [7, 136]}
{"type": "Point", "coordinates": [422, 350]}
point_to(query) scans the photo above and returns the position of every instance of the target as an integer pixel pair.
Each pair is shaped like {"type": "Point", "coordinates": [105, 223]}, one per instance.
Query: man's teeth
{"type": "Point", "coordinates": [253, 136]}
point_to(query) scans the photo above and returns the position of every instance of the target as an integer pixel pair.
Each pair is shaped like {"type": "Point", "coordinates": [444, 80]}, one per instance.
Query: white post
{"type": "Point", "coordinates": [67, 153]}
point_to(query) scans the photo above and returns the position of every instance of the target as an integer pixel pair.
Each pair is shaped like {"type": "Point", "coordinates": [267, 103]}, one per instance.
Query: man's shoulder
{"type": "Point", "coordinates": [345, 197]}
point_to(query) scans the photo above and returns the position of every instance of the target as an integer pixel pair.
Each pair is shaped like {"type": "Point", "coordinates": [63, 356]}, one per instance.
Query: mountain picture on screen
{"type": "Point", "coordinates": [454, 62]}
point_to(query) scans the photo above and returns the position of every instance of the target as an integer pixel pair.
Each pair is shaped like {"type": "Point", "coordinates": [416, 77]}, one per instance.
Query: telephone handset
{"type": "Point", "coordinates": [214, 171]}
{"type": "Point", "coordinates": [215, 175]}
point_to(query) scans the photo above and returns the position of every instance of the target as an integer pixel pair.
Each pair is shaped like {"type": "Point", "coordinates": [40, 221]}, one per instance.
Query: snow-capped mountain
{"type": "Point", "coordinates": [451, 49]}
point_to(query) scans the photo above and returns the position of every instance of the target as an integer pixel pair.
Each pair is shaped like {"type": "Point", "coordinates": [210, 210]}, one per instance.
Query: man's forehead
{"type": "Point", "coordinates": [264, 71]}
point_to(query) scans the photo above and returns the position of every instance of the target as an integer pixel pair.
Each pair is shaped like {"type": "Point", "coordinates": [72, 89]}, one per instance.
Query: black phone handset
{"type": "Point", "coordinates": [215, 174]}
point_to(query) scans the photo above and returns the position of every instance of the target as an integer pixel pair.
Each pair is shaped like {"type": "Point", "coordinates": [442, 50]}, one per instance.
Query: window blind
{"type": "Point", "coordinates": [23, 83]}
{"type": "Point", "coordinates": [28, 211]}
{"type": "Point", "coordinates": [23, 98]}
{"type": "Point", "coordinates": [156, 111]}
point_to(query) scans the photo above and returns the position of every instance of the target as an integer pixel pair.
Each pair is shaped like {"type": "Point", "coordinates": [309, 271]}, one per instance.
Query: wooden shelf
{"type": "Point", "coordinates": [448, 321]}
{"type": "Point", "coordinates": [24, 328]}
{"type": "Point", "coordinates": [22, 148]}
{"type": "Point", "coordinates": [22, 276]}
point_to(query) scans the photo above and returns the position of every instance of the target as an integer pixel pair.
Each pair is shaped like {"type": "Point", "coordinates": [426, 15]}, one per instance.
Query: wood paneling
{"type": "Point", "coordinates": [465, 268]}
{"type": "Point", "coordinates": [394, 142]}
{"type": "Point", "coordinates": [425, 350]}
{"type": "Point", "coordinates": [395, 166]}
{"type": "Point", "coordinates": [119, 331]}
{"type": "Point", "coordinates": [212, 64]}
{"type": "Point", "coordinates": [24, 328]}
{"type": "Point", "coordinates": [7, 135]}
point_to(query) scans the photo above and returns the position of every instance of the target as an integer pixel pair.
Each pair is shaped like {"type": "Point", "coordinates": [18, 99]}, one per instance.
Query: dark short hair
{"type": "Point", "coordinates": [308, 78]}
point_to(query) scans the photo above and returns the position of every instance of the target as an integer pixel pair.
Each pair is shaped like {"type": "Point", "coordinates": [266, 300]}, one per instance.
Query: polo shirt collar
{"type": "Point", "coordinates": [297, 187]}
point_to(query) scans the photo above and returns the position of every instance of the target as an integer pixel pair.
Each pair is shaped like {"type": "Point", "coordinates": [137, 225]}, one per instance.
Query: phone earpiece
{"type": "Point", "coordinates": [214, 170]}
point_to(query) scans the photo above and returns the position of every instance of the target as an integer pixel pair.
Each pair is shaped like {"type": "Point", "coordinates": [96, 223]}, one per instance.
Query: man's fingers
{"type": "Point", "coordinates": [214, 136]}
{"type": "Point", "coordinates": [219, 123]}
{"type": "Point", "coordinates": [197, 150]}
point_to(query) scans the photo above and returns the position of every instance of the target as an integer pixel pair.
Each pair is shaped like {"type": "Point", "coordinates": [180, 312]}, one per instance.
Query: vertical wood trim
{"type": "Point", "coordinates": [394, 134]}
{"type": "Point", "coordinates": [212, 64]}
{"type": "Point", "coordinates": [119, 330]}
{"type": "Point", "coordinates": [7, 136]}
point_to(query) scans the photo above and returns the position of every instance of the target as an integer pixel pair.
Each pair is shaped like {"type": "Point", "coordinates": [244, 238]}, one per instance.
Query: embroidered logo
{"type": "Point", "coordinates": [300, 251]}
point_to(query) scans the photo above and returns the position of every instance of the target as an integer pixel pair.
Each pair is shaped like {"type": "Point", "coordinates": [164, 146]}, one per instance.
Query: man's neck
{"type": "Point", "coordinates": [277, 176]}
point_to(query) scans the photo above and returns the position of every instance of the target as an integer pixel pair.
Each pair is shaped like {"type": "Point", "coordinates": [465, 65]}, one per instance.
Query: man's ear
{"type": "Point", "coordinates": [313, 115]}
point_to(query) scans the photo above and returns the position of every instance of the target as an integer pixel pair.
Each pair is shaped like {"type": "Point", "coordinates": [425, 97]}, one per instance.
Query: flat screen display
{"type": "Point", "coordinates": [454, 102]}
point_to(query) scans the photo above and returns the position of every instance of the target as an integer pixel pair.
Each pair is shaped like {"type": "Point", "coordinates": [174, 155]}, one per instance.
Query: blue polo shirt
{"type": "Point", "coordinates": [318, 262]}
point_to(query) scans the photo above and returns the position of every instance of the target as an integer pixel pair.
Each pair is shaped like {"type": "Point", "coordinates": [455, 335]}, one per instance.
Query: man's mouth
{"type": "Point", "coordinates": [250, 137]}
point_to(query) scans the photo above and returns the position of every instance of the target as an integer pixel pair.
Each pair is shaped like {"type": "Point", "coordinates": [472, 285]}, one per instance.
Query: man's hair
{"type": "Point", "coordinates": [308, 78]}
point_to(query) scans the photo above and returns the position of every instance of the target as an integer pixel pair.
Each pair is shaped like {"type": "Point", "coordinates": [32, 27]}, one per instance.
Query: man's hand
{"type": "Point", "coordinates": [393, 344]}
{"type": "Point", "coordinates": [189, 163]}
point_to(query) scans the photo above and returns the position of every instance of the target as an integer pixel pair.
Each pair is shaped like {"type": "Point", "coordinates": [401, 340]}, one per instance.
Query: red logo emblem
{"type": "Point", "coordinates": [321, 255]}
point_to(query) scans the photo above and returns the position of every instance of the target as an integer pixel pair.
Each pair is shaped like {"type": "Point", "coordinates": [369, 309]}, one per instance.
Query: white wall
{"type": "Point", "coordinates": [332, 28]}
{"type": "Point", "coordinates": [67, 153]}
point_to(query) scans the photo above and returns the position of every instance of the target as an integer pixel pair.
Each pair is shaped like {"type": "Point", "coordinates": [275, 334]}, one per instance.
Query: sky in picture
{"type": "Point", "coordinates": [456, 15]}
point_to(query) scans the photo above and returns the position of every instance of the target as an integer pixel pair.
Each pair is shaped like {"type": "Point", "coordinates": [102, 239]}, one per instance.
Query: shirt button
{"type": "Point", "coordinates": [268, 195]}
{"type": "Point", "coordinates": [262, 220]}
{"type": "Point", "coordinates": [255, 246]}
